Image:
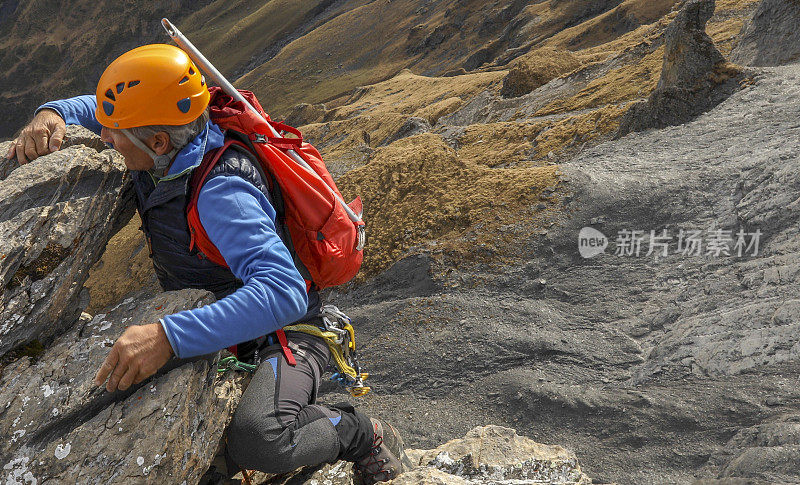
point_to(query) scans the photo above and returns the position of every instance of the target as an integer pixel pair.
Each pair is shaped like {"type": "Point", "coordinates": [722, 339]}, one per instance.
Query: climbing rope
{"type": "Point", "coordinates": [341, 340]}
{"type": "Point", "coordinates": [340, 337]}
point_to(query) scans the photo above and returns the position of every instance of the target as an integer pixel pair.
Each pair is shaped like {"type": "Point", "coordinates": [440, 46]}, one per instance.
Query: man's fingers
{"type": "Point", "coordinates": [19, 147]}
{"type": "Point", "coordinates": [141, 376]}
{"type": "Point", "coordinates": [113, 381]}
{"type": "Point", "coordinates": [128, 378]}
{"type": "Point", "coordinates": [107, 367]}
{"type": "Point", "coordinates": [57, 137]}
{"type": "Point", "coordinates": [40, 141]}
{"type": "Point", "coordinates": [30, 148]}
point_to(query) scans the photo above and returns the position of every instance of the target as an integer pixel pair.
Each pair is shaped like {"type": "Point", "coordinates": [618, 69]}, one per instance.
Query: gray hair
{"type": "Point", "coordinates": [179, 135]}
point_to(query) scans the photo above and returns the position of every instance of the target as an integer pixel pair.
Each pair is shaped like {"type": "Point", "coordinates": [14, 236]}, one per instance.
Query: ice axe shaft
{"type": "Point", "coordinates": [218, 79]}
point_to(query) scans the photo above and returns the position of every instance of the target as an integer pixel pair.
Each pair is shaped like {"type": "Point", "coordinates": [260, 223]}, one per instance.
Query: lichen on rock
{"type": "Point", "coordinates": [56, 215]}
{"type": "Point", "coordinates": [64, 429]}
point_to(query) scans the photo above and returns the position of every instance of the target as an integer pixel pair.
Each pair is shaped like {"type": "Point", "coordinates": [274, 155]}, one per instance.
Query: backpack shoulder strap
{"type": "Point", "coordinates": [276, 196]}
{"type": "Point", "coordinates": [204, 169]}
{"type": "Point", "coordinates": [198, 235]}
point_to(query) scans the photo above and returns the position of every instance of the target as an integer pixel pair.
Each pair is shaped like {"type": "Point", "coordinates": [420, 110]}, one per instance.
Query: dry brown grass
{"type": "Point", "coordinates": [337, 139]}
{"type": "Point", "coordinates": [575, 130]}
{"type": "Point", "coordinates": [434, 111]}
{"type": "Point", "coordinates": [633, 81]}
{"type": "Point", "coordinates": [643, 35]}
{"type": "Point", "coordinates": [511, 143]}
{"type": "Point", "coordinates": [407, 93]}
{"type": "Point", "coordinates": [334, 58]}
{"type": "Point", "coordinates": [124, 267]}
{"type": "Point", "coordinates": [608, 27]}
{"type": "Point", "coordinates": [230, 33]}
{"type": "Point", "coordinates": [418, 189]}
{"type": "Point", "coordinates": [537, 68]}
{"type": "Point", "coordinates": [495, 144]}
{"type": "Point", "coordinates": [733, 5]}
{"type": "Point", "coordinates": [725, 34]}
{"type": "Point", "coordinates": [379, 110]}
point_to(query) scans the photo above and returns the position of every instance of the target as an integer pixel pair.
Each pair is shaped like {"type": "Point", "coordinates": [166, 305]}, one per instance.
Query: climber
{"type": "Point", "coordinates": [151, 106]}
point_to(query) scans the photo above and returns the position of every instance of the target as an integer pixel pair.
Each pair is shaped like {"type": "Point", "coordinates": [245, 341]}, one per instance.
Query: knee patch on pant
{"type": "Point", "coordinates": [309, 440]}
{"type": "Point", "coordinates": [355, 432]}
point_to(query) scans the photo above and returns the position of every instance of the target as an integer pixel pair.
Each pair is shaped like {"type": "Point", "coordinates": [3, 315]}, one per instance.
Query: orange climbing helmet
{"type": "Point", "coordinates": [155, 84]}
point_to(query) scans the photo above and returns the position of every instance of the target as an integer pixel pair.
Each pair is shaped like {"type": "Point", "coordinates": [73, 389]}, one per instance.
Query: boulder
{"type": "Point", "coordinates": [56, 215]}
{"type": "Point", "coordinates": [771, 36]}
{"type": "Point", "coordinates": [494, 454]}
{"type": "Point", "coordinates": [485, 455]}
{"type": "Point", "coordinates": [689, 53]}
{"type": "Point", "coordinates": [694, 76]}
{"type": "Point", "coordinates": [60, 428]}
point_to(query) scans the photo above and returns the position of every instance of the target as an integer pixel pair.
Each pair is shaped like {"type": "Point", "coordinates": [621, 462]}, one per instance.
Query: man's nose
{"type": "Point", "coordinates": [105, 135]}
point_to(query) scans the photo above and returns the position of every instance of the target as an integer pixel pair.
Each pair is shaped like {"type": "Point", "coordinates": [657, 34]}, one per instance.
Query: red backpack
{"type": "Point", "coordinates": [326, 240]}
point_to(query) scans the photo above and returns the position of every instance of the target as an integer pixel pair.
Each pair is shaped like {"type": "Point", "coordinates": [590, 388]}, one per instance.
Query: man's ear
{"type": "Point", "coordinates": [160, 143]}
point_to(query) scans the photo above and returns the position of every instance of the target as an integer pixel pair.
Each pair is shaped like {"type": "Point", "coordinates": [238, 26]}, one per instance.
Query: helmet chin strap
{"type": "Point", "coordinates": [160, 162]}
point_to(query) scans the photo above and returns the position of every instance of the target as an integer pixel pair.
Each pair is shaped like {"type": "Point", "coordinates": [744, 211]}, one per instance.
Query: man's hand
{"type": "Point", "coordinates": [43, 135]}
{"type": "Point", "coordinates": [139, 352]}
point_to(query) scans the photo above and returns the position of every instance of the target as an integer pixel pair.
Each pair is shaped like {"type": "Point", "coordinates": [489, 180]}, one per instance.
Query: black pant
{"type": "Point", "coordinates": [278, 427]}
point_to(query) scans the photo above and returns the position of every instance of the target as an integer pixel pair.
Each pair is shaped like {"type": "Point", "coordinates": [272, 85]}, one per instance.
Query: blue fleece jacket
{"type": "Point", "coordinates": [240, 221]}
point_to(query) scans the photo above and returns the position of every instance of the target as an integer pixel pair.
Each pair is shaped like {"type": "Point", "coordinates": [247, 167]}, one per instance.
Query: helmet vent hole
{"type": "Point", "coordinates": [202, 80]}
{"type": "Point", "coordinates": [191, 71]}
{"type": "Point", "coordinates": [120, 87]}
{"type": "Point", "coordinates": [108, 108]}
{"type": "Point", "coordinates": [132, 84]}
{"type": "Point", "coordinates": [110, 95]}
{"type": "Point", "coordinates": [182, 81]}
{"type": "Point", "coordinates": [184, 105]}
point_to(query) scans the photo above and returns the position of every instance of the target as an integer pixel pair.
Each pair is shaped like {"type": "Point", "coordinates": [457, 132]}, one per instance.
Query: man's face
{"type": "Point", "coordinates": [135, 158]}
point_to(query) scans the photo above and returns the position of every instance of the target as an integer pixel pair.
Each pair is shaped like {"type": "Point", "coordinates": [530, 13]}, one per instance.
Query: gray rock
{"type": "Point", "coordinates": [56, 215]}
{"type": "Point", "coordinates": [689, 53]}
{"type": "Point", "coordinates": [59, 428]}
{"type": "Point", "coordinates": [730, 481]}
{"type": "Point", "coordinates": [644, 367]}
{"type": "Point", "coordinates": [694, 75]}
{"type": "Point", "coordinates": [78, 135]}
{"type": "Point", "coordinates": [498, 455]}
{"type": "Point", "coordinates": [767, 452]}
{"type": "Point", "coordinates": [408, 277]}
{"type": "Point", "coordinates": [485, 455]}
{"type": "Point", "coordinates": [771, 36]}
{"type": "Point", "coordinates": [430, 476]}
{"type": "Point", "coordinates": [413, 126]}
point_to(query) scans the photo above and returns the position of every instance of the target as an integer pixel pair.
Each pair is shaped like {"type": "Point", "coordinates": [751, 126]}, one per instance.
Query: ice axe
{"type": "Point", "coordinates": [199, 59]}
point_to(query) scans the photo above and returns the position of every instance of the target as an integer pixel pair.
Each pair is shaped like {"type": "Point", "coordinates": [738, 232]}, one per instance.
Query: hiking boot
{"type": "Point", "coordinates": [385, 460]}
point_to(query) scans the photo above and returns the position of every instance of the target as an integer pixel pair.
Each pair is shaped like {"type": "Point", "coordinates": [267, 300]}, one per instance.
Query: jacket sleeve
{"type": "Point", "coordinates": [240, 221]}
{"type": "Point", "coordinates": [76, 111]}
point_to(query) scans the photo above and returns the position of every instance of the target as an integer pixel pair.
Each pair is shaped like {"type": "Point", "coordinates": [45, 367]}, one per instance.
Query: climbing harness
{"type": "Point", "coordinates": [341, 339]}
{"type": "Point", "coordinates": [338, 333]}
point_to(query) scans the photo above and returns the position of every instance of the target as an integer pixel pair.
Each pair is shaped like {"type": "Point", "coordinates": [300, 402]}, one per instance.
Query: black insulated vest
{"type": "Point", "coordinates": [162, 208]}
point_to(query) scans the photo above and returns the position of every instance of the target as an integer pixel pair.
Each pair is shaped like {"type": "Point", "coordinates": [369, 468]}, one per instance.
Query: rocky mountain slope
{"type": "Point", "coordinates": [475, 305]}
{"type": "Point", "coordinates": [312, 51]}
